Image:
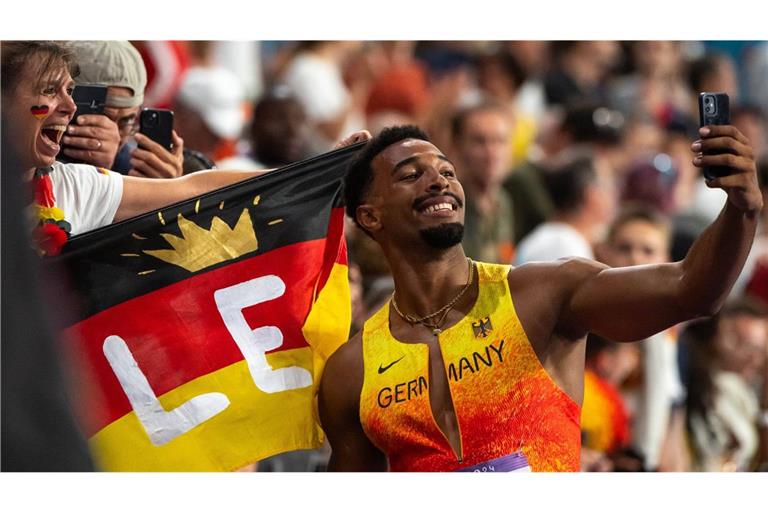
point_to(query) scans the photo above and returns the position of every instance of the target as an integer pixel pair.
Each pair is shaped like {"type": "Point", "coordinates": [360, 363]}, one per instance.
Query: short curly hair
{"type": "Point", "coordinates": [360, 174]}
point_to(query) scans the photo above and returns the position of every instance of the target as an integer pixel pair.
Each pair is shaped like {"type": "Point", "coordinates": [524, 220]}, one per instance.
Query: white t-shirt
{"type": "Point", "coordinates": [89, 196]}
{"type": "Point", "coordinates": [550, 241]}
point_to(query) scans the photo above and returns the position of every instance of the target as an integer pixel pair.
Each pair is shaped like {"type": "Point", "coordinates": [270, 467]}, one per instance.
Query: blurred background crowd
{"type": "Point", "coordinates": [564, 148]}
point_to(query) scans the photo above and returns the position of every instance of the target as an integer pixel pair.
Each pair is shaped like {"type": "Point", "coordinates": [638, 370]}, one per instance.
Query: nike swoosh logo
{"type": "Point", "coordinates": [382, 369]}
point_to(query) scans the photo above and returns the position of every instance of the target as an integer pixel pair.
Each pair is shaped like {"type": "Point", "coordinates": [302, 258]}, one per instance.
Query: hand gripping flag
{"type": "Point", "coordinates": [204, 327]}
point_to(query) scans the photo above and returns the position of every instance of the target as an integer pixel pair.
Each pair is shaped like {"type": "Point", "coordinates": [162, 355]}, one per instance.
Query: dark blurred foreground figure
{"type": "Point", "coordinates": [449, 374]}
{"type": "Point", "coordinates": [38, 429]}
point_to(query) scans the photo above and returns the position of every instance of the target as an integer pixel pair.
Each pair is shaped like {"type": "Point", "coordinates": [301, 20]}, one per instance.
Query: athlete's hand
{"type": "Point", "coordinates": [151, 160]}
{"type": "Point", "coordinates": [93, 139]}
{"type": "Point", "coordinates": [353, 138]}
{"type": "Point", "coordinates": [741, 185]}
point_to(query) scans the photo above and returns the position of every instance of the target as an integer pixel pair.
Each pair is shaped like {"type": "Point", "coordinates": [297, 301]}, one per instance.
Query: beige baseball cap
{"type": "Point", "coordinates": [114, 64]}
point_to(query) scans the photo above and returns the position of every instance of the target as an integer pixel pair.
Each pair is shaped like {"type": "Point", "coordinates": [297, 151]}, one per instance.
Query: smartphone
{"type": "Point", "coordinates": [90, 99]}
{"type": "Point", "coordinates": [157, 124]}
{"type": "Point", "coordinates": [714, 109]}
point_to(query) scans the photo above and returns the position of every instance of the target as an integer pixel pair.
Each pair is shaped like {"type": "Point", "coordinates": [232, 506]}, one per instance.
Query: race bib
{"type": "Point", "coordinates": [515, 462]}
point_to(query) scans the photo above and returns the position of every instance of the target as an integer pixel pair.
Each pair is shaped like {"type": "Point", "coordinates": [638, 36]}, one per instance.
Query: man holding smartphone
{"type": "Point", "coordinates": [450, 374]}
{"type": "Point", "coordinates": [112, 140]}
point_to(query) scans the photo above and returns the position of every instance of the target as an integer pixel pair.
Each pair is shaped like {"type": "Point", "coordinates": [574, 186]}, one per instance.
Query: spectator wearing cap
{"type": "Point", "coordinates": [94, 139]}
{"type": "Point", "coordinates": [651, 182]}
{"type": "Point", "coordinates": [210, 114]}
{"type": "Point", "coordinates": [118, 65]}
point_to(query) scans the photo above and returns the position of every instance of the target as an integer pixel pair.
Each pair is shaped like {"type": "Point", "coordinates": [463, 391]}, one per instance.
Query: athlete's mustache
{"type": "Point", "coordinates": [420, 200]}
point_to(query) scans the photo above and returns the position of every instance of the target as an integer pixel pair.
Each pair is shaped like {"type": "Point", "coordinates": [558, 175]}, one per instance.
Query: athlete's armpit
{"type": "Point", "coordinates": [339, 407]}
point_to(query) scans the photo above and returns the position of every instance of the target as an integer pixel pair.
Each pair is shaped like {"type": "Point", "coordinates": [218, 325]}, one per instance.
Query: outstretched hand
{"type": "Point", "coordinates": [352, 138]}
{"type": "Point", "coordinates": [737, 154]}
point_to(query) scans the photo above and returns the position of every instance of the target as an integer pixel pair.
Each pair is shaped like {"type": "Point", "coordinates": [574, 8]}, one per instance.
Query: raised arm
{"type": "Point", "coordinates": [632, 303]}
{"type": "Point", "coordinates": [141, 195]}
{"type": "Point", "coordinates": [339, 407]}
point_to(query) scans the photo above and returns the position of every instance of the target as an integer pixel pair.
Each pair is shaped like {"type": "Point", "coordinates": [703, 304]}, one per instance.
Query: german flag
{"type": "Point", "coordinates": [203, 328]}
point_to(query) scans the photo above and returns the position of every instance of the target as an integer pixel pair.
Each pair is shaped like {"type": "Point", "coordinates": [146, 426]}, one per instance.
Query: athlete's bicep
{"type": "Point", "coordinates": [627, 304]}
{"type": "Point", "coordinates": [339, 408]}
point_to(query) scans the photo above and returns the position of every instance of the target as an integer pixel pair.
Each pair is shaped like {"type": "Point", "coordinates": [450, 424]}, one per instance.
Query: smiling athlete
{"type": "Point", "coordinates": [480, 367]}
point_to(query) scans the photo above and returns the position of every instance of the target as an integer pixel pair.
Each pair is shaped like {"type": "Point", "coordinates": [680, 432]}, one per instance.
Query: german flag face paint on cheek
{"type": "Point", "coordinates": [39, 111]}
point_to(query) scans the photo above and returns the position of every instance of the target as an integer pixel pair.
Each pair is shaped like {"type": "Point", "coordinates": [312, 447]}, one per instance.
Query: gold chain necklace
{"type": "Point", "coordinates": [443, 311]}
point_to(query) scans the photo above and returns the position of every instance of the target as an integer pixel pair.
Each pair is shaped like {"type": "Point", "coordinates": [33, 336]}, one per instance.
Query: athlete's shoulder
{"type": "Point", "coordinates": [341, 383]}
{"type": "Point", "coordinates": [350, 350]}
{"type": "Point", "coordinates": [346, 363]}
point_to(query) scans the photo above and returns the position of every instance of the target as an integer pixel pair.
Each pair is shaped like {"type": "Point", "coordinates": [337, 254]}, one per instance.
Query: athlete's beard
{"type": "Point", "coordinates": [443, 236]}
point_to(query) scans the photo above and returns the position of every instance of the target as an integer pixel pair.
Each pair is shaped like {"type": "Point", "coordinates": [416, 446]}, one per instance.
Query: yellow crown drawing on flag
{"type": "Point", "coordinates": [200, 248]}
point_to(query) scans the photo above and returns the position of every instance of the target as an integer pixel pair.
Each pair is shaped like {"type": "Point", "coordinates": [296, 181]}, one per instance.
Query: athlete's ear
{"type": "Point", "coordinates": [368, 218]}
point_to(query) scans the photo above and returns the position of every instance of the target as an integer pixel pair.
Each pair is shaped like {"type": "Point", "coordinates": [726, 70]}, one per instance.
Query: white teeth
{"type": "Point", "coordinates": [438, 207]}
{"type": "Point", "coordinates": [54, 132]}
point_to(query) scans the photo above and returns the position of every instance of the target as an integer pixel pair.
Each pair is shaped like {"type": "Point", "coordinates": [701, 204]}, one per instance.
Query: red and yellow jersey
{"type": "Point", "coordinates": [505, 402]}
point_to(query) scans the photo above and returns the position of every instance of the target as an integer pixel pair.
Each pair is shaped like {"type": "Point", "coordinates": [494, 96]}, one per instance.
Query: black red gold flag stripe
{"type": "Point", "coordinates": [202, 328]}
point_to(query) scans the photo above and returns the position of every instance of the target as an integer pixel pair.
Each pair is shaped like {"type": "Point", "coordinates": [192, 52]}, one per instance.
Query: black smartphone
{"type": "Point", "coordinates": [90, 99]}
{"type": "Point", "coordinates": [157, 124]}
{"type": "Point", "coordinates": [714, 109]}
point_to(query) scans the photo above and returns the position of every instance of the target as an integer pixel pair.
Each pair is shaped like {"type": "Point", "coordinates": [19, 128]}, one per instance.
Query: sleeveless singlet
{"type": "Point", "coordinates": [505, 402]}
